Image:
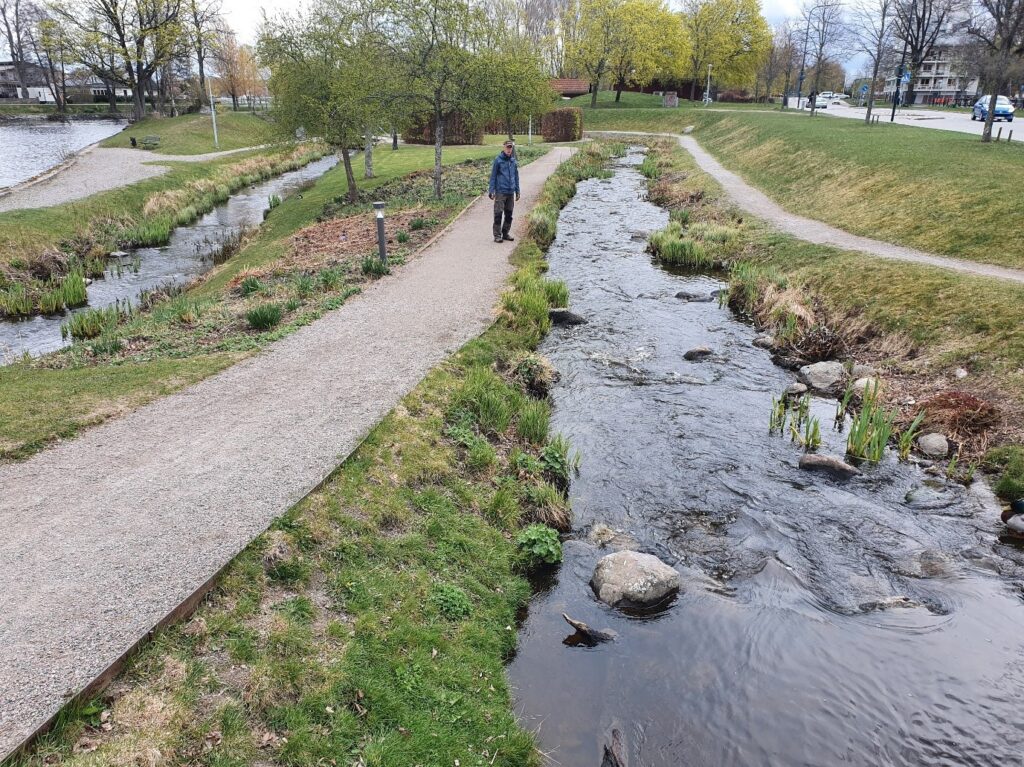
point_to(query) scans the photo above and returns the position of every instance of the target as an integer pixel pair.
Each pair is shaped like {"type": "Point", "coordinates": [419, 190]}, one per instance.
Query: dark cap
{"type": "Point", "coordinates": [509, 143]}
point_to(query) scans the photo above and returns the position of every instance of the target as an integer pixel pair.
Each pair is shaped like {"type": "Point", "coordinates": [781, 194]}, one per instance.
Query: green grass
{"type": "Point", "coordinates": [193, 134]}
{"type": "Point", "coordinates": [38, 405]}
{"type": "Point", "coordinates": [370, 625]}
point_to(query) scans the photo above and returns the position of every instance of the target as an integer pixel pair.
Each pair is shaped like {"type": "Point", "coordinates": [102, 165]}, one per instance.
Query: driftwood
{"type": "Point", "coordinates": [585, 634]}
{"type": "Point", "coordinates": [613, 756]}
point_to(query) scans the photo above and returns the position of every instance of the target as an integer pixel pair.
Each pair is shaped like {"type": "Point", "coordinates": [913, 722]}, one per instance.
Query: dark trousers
{"type": "Point", "coordinates": [503, 205]}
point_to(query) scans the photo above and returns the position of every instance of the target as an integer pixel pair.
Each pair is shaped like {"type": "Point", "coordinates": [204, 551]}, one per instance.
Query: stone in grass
{"type": "Point", "coordinates": [823, 376]}
{"type": "Point", "coordinates": [565, 317]}
{"type": "Point", "coordinates": [698, 353]}
{"type": "Point", "coordinates": [934, 444]}
{"type": "Point", "coordinates": [795, 389]}
{"type": "Point", "coordinates": [829, 464]}
{"type": "Point", "coordinates": [863, 371]}
{"type": "Point", "coordinates": [869, 383]}
{"type": "Point", "coordinates": [764, 341]}
{"type": "Point", "coordinates": [632, 579]}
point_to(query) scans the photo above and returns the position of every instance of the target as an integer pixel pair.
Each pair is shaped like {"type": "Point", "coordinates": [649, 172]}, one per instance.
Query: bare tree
{"type": "Point", "coordinates": [778, 59]}
{"type": "Point", "coordinates": [872, 28]}
{"type": "Point", "coordinates": [826, 33]}
{"type": "Point", "coordinates": [202, 18]}
{"type": "Point", "coordinates": [16, 20]}
{"type": "Point", "coordinates": [918, 24]}
{"type": "Point", "coordinates": [50, 50]}
{"type": "Point", "coordinates": [999, 24]}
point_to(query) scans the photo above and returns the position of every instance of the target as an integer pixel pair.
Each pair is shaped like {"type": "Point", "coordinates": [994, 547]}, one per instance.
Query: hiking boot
{"type": "Point", "coordinates": [508, 238]}
{"type": "Point", "coordinates": [498, 239]}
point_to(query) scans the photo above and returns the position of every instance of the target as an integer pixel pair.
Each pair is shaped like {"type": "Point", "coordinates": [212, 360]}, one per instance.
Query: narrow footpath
{"type": "Point", "coordinates": [96, 169]}
{"type": "Point", "coordinates": [757, 203]}
{"type": "Point", "coordinates": [107, 535]}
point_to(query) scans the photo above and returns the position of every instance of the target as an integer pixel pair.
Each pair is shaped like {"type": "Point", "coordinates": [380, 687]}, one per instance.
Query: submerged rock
{"type": "Point", "coordinates": [604, 536]}
{"type": "Point", "coordinates": [565, 317]}
{"type": "Point", "coordinates": [633, 579]}
{"type": "Point", "coordinates": [828, 463]}
{"type": "Point", "coordinates": [823, 376]}
{"type": "Point", "coordinates": [697, 298]}
{"type": "Point", "coordinates": [764, 341]}
{"type": "Point", "coordinates": [698, 353]}
{"type": "Point", "coordinates": [933, 444]}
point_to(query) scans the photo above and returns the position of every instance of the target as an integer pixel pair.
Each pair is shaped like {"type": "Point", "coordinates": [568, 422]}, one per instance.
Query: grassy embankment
{"type": "Point", "coordinates": [193, 134]}
{"type": "Point", "coordinates": [939, 191]}
{"type": "Point", "coordinates": [917, 324]}
{"type": "Point", "coordinates": [45, 253]}
{"type": "Point", "coordinates": [371, 623]}
{"type": "Point", "coordinates": [73, 109]}
{"type": "Point", "coordinates": [288, 283]}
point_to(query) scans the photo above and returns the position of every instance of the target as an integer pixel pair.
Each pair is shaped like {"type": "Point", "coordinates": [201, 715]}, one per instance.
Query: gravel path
{"type": "Point", "coordinates": [95, 169]}
{"type": "Point", "coordinates": [107, 534]}
{"type": "Point", "coordinates": [757, 203]}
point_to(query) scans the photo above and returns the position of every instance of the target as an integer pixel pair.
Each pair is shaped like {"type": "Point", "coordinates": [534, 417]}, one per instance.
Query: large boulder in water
{"type": "Point", "coordinates": [829, 464]}
{"type": "Point", "coordinates": [633, 579]}
{"type": "Point", "coordinates": [823, 376]}
{"type": "Point", "coordinates": [565, 317]}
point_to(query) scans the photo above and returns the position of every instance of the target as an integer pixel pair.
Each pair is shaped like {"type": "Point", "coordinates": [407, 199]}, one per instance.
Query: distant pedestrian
{"type": "Point", "coordinates": [504, 190]}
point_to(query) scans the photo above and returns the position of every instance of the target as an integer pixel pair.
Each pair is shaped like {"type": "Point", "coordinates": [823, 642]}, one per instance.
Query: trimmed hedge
{"type": "Point", "coordinates": [457, 130]}
{"type": "Point", "coordinates": [563, 124]}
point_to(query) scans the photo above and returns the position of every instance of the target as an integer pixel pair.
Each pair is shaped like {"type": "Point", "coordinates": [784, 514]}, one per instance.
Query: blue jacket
{"type": "Point", "coordinates": [504, 175]}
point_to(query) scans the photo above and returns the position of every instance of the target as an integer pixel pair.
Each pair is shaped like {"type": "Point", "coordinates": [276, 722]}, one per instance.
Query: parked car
{"type": "Point", "coordinates": [1004, 109]}
{"type": "Point", "coordinates": [826, 94]}
{"type": "Point", "coordinates": [840, 96]}
{"type": "Point", "coordinates": [820, 102]}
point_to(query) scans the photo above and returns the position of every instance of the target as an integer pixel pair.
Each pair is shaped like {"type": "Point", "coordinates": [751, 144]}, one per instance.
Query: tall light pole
{"type": "Point", "coordinates": [707, 88]}
{"type": "Point", "coordinates": [803, 63]}
{"type": "Point", "coordinates": [899, 83]}
{"type": "Point", "coordinates": [213, 114]}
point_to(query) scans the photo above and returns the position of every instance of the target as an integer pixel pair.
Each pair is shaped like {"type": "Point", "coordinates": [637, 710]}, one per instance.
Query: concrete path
{"type": "Point", "coordinates": [937, 119]}
{"type": "Point", "coordinates": [95, 169]}
{"type": "Point", "coordinates": [758, 203]}
{"type": "Point", "coordinates": [106, 535]}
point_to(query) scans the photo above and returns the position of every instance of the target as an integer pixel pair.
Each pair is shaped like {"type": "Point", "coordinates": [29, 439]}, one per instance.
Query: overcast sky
{"type": "Point", "coordinates": [244, 15]}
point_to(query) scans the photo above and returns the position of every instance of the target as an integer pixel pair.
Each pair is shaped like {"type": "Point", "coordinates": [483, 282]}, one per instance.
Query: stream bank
{"type": "Point", "coordinates": [820, 621]}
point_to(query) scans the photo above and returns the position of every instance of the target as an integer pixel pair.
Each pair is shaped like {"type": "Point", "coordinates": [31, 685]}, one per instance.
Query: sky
{"type": "Point", "coordinates": [245, 15]}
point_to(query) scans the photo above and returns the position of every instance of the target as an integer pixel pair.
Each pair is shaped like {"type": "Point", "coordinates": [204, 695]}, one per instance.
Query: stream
{"type": "Point", "coordinates": [873, 622]}
{"type": "Point", "coordinates": [189, 254]}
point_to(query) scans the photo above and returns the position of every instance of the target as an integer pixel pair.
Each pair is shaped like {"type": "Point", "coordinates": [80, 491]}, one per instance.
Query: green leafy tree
{"type": "Point", "coordinates": [647, 39]}
{"type": "Point", "coordinates": [730, 35]}
{"type": "Point", "coordinates": [317, 78]}
{"type": "Point", "coordinates": [514, 84]}
{"type": "Point", "coordinates": [595, 31]}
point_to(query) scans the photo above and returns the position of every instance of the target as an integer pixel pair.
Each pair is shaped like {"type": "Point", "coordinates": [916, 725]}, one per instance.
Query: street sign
{"type": "Point", "coordinates": [906, 77]}
{"type": "Point", "coordinates": [864, 88]}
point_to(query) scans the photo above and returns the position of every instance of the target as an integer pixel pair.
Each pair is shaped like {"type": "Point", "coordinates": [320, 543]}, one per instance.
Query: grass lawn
{"type": "Point", "coordinates": [193, 134]}
{"type": "Point", "coordinates": [939, 191]}
{"type": "Point", "coordinates": [370, 625]}
{"type": "Point", "coordinates": [187, 337]}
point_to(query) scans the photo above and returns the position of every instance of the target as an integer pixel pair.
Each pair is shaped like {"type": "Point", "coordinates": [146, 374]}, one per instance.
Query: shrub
{"type": "Point", "coordinates": [402, 236]}
{"type": "Point", "coordinates": [564, 124]}
{"type": "Point", "coordinates": [264, 316]}
{"type": "Point", "coordinates": [539, 544]}
{"type": "Point", "coordinates": [451, 601]}
{"type": "Point", "coordinates": [534, 418]}
{"type": "Point", "coordinates": [418, 223]}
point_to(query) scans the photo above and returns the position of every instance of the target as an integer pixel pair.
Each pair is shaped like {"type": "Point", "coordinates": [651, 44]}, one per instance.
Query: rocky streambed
{"type": "Point", "coordinates": [817, 618]}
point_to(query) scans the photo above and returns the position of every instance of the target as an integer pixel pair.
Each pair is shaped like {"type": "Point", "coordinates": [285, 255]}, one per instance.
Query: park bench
{"type": "Point", "coordinates": [150, 142]}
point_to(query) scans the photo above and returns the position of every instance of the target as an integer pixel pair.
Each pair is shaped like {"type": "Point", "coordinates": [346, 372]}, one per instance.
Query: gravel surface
{"type": "Point", "coordinates": [758, 203]}
{"type": "Point", "coordinates": [95, 169]}
{"type": "Point", "coordinates": [107, 534]}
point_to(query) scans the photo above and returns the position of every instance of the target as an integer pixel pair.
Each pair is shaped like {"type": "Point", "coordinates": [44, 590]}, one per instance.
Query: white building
{"type": "Point", "coordinates": [941, 78]}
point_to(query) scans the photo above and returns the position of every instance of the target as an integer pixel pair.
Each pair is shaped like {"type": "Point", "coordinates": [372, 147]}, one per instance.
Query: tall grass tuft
{"type": "Point", "coordinates": [15, 301]}
{"type": "Point", "coordinates": [871, 428]}
{"type": "Point", "coordinates": [534, 421]}
{"type": "Point", "coordinates": [250, 285]}
{"type": "Point", "coordinates": [542, 224]}
{"type": "Point", "coordinates": [90, 323]}
{"type": "Point", "coordinates": [374, 267]}
{"type": "Point", "coordinates": [264, 316]}
{"type": "Point", "coordinates": [649, 168]}
{"type": "Point", "coordinates": [671, 245]}
{"type": "Point", "coordinates": [908, 435]}
{"type": "Point", "coordinates": [489, 400]}
{"type": "Point", "coordinates": [557, 292]}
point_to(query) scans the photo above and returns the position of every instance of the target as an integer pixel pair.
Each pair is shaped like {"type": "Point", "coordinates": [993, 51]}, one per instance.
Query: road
{"type": "Point", "coordinates": [928, 118]}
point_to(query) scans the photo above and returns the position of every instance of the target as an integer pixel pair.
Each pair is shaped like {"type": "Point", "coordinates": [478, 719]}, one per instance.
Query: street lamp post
{"type": "Point", "coordinates": [899, 83]}
{"type": "Point", "coordinates": [803, 64]}
{"type": "Point", "coordinates": [213, 114]}
{"type": "Point", "coordinates": [381, 241]}
{"type": "Point", "coordinates": [707, 88]}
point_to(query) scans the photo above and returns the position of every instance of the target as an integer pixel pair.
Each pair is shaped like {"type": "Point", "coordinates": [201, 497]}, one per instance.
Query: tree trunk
{"type": "Point", "coordinates": [986, 134]}
{"type": "Point", "coordinates": [871, 89]}
{"type": "Point", "coordinates": [785, 92]}
{"type": "Point", "coordinates": [438, 144]}
{"type": "Point", "coordinates": [350, 177]}
{"type": "Point", "coordinates": [618, 91]}
{"type": "Point", "coordinates": [394, 141]}
{"type": "Point", "coordinates": [202, 79]}
{"type": "Point", "coordinates": [367, 153]}
{"type": "Point", "coordinates": [138, 103]}
{"type": "Point", "coordinates": [111, 97]}
{"type": "Point", "coordinates": [234, 102]}
{"type": "Point", "coordinates": [593, 93]}
{"type": "Point", "coordinates": [693, 89]}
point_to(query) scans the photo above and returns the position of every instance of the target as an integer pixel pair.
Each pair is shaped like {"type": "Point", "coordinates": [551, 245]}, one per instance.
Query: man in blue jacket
{"type": "Point", "coordinates": [504, 190]}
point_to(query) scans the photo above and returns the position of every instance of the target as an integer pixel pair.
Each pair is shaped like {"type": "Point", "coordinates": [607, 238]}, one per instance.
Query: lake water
{"type": "Point", "coordinates": [29, 146]}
